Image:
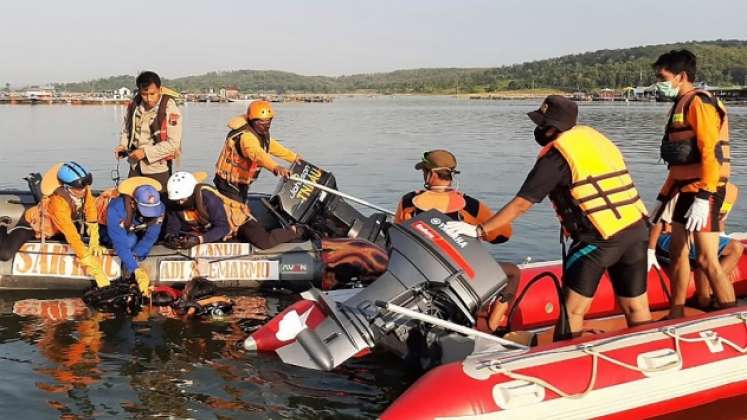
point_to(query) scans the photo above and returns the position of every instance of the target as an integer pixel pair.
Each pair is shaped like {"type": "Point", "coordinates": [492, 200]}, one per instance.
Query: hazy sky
{"type": "Point", "coordinates": [42, 41]}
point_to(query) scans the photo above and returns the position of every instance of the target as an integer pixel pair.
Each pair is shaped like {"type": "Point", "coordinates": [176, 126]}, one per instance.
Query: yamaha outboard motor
{"type": "Point", "coordinates": [448, 277]}
{"type": "Point", "coordinates": [324, 212]}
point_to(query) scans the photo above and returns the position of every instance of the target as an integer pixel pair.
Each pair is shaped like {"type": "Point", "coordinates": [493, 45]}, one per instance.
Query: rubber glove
{"type": "Point", "coordinates": [462, 228]}
{"type": "Point", "coordinates": [697, 215]}
{"type": "Point", "coordinates": [94, 240]}
{"type": "Point", "coordinates": [143, 281]}
{"type": "Point", "coordinates": [93, 268]}
{"type": "Point", "coordinates": [652, 261]}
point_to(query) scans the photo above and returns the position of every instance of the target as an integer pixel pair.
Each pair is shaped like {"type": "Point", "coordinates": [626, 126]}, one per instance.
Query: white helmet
{"type": "Point", "coordinates": [181, 185]}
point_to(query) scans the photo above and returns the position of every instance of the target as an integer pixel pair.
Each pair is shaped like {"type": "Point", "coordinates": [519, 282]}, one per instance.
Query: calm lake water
{"type": "Point", "coordinates": [155, 367]}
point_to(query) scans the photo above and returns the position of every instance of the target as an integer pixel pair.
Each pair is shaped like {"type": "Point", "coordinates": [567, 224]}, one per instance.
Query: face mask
{"type": "Point", "coordinates": [540, 135]}
{"type": "Point", "coordinates": [666, 90]}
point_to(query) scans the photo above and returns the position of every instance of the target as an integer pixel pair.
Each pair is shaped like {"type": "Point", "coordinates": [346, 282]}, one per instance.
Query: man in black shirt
{"type": "Point", "coordinates": [587, 181]}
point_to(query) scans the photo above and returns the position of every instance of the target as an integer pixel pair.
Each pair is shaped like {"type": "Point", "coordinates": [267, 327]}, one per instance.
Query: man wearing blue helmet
{"type": "Point", "coordinates": [67, 204]}
{"type": "Point", "coordinates": [132, 215]}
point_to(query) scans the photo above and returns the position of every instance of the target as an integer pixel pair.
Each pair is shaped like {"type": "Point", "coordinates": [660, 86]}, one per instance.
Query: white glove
{"type": "Point", "coordinates": [652, 261]}
{"type": "Point", "coordinates": [697, 216]}
{"type": "Point", "coordinates": [461, 228]}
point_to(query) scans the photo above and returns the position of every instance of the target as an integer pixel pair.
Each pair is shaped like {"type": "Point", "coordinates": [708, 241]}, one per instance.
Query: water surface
{"type": "Point", "coordinates": [105, 366]}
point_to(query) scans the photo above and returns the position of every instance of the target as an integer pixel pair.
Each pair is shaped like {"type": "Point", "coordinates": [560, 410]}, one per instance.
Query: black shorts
{"type": "Point", "coordinates": [686, 199]}
{"type": "Point", "coordinates": [623, 256]}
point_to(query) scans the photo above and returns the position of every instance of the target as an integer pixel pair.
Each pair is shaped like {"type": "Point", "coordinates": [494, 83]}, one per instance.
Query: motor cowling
{"type": "Point", "coordinates": [430, 271]}
{"type": "Point", "coordinates": [326, 213]}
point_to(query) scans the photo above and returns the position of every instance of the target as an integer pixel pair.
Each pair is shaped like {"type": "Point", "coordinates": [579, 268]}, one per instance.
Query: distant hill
{"type": "Point", "coordinates": [721, 62]}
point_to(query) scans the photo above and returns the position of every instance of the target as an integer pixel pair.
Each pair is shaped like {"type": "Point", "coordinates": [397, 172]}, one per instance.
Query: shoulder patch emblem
{"type": "Point", "coordinates": [173, 119]}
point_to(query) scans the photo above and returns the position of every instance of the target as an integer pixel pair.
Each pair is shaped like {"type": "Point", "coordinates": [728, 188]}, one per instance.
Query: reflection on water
{"type": "Point", "coordinates": [150, 365]}
{"type": "Point", "coordinates": [96, 365]}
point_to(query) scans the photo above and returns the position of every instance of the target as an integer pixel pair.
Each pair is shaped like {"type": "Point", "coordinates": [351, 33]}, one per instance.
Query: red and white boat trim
{"type": "Point", "coordinates": [640, 372]}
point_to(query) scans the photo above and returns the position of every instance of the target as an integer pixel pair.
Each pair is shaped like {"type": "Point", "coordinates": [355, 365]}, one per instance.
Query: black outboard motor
{"type": "Point", "coordinates": [324, 212]}
{"type": "Point", "coordinates": [430, 272]}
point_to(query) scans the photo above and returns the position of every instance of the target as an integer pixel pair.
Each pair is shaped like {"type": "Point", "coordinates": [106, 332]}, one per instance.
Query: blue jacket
{"type": "Point", "coordinates": [129, 247]}
{"type": "Point", "coordinates": [219, 227]}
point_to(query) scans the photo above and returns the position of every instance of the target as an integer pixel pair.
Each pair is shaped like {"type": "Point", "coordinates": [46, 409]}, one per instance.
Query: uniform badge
{"type": "Point", "coordinates": [173, 119]}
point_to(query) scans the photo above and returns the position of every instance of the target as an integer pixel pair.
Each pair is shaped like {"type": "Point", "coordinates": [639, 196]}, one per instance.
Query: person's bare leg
{"type": "Point", "coordinates": [499, 308]}
{"type": "Point", "coordinates": [635, 309]}
{"type": "Point", "coordinates": [731, 255]}
{"type": "Point", "coordinates": [576, 306]}
{"type": "Point", "coordinates": [703, 290]}
{"type": "Point", "coordinates": [680, 279]}
{"type": "Point", "coordinates": [707, 246]}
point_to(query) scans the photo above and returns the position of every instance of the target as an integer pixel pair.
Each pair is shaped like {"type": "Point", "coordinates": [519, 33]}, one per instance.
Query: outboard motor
{"type": "Point", "coordinates": [324, 212]}
{"type": "Point", "coordinates": [448, 277]}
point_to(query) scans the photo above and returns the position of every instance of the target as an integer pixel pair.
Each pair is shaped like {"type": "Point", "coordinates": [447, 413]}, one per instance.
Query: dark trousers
{"type": "Point", "coordinates": [11, 242]}
{"type": "Point", "coordinates": [162, 177]}
{"type": "Point", "coordinates": [256, 234]}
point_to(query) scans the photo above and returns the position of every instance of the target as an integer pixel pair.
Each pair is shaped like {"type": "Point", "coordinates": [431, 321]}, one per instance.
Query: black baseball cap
{"type": "Point", "coordinates": [556, 111]}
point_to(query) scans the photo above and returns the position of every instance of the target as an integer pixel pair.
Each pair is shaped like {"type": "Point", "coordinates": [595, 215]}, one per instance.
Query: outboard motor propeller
{"type": "Point", "coordinates": [448, 277]}
{"type": "Point", "coordinates": [324, 212]}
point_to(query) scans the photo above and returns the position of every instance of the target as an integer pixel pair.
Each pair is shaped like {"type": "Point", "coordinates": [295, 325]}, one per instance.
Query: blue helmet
{"type": "Point", "coordinates": [74, 175]}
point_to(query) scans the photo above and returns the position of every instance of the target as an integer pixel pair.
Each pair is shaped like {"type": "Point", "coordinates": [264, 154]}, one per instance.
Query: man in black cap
{"type": "Point", "coordinates": [585, 176]}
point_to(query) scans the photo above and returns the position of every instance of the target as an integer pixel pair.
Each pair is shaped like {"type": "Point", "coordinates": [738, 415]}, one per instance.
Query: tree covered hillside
{"type": "Point", "coordinates": [721, 62]}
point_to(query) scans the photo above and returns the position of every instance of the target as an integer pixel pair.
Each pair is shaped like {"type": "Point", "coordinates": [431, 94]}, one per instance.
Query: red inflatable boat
{"type": "Point", "coordinates": [627, 373]}
{"type": "Point", "coordinates": [611, 372]}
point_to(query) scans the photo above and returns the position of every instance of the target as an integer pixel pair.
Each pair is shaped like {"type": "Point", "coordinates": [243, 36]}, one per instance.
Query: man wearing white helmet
{"type": "Point", "coordinates": [201, 214]}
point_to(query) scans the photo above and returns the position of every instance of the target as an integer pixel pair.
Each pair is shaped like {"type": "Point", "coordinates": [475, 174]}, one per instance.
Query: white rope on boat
{"type": "Point", "coordinates": [595, 356]}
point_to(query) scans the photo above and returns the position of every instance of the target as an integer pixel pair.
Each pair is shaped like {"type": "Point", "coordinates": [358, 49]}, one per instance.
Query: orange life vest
{"type": "Point", "coordinates": [34, 214]}
{"type": "Point", "coordinates": [232, 166]}
{"type": "Point", "coordinates": [680, 143]}
{"type": "Point", "coordinates": [102, 206]}
{"type": "Point", "coordinates": [198, 218]}
{"type": "Point", "coordinates": [449, 202]}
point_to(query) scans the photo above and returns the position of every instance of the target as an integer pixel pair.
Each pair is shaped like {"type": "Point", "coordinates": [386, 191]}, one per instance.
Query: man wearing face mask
{"type": "Point", "coordinates": [696, 148]}
{"type": "Point", "coordinates": [249, 148]}
{"type": "Point", "coordinates": [588, 183]}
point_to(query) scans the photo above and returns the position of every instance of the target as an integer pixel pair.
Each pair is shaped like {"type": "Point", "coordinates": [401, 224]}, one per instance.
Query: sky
{"type": "Point", "coordinates": [74, 40]}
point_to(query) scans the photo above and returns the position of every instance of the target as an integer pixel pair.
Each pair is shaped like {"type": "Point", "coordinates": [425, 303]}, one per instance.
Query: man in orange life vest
{"type": "Point", "coordinates": [696, 148]}
{"type": "Point", "coordinates": [151, 131]}
{"type": "Point", "coordinates": [249, 148]}
{"type": "Point", "coordinates": [439, 168]}
{"type": "Point", "coordinates": [585, 176]}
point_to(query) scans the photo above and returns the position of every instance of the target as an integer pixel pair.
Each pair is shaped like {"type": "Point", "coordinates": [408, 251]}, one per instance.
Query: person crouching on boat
{"type": "Point", "coordinates": [67, 201]}
{"type": "Point", "coordinates": [132, 215]}
{"type": "Point", "coordinates": [439, 169]}
{"type": "Point", "coordinates": [729, 250]}
{"type": "Point", "coordinates": [200, 214]}
{"type": "Point", "coordinates": [590, 187]}
{"type": "Point", "coordinates": [249, 147]}
{"type": "Point", "coordinates": [696, 149]}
